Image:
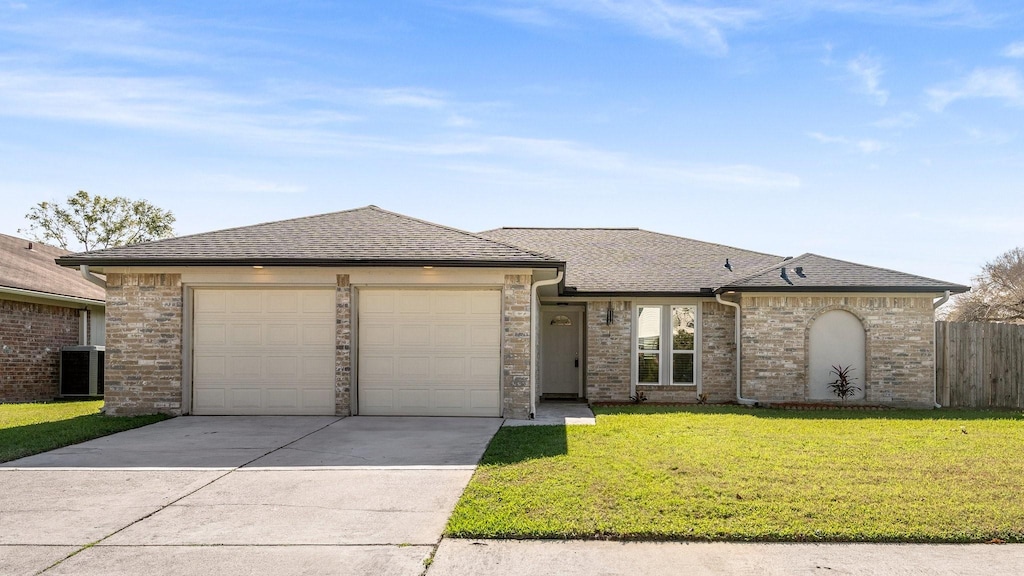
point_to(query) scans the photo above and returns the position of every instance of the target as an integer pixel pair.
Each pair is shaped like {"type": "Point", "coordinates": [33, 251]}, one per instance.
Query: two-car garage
{"type": "Point", "coordinates": [429, 352]}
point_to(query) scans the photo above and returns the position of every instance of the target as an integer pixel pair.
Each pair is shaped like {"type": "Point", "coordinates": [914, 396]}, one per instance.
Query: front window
{"type": "Point", "coordinates": [666, 333]}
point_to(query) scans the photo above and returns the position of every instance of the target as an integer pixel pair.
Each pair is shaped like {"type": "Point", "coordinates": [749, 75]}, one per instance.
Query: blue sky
{"type": "Point", "coordinates": [886, 133]}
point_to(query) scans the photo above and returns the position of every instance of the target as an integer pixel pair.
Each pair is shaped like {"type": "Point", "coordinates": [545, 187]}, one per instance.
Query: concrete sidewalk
{"type": "Point", "coordinates": [588, 558]}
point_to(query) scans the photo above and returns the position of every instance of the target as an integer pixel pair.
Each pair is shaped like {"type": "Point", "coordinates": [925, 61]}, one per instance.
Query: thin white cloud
{"type": "Point", "coordinates": [696, 25]}
{"type": "Point", "coordinates": [898, 121]}
{"type": "Point", "coordinates": [868, 72]}
{"type": "Point", "coordinates": [1015, 50]}
{"type": "Point", "coordinates": [864, 145]}
{"type": "Point", "coordinates": [406, 97]}
{"type": "Point", "coordinates": [1003, 84]}
{"type": "Point", "coordinates": [706, 26]}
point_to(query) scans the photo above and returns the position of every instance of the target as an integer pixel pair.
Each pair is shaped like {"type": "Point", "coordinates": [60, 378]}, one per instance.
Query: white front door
{"type": "Point", "coordinates": [263, 351]}
{"type": "Point", "coordinates": [425, 352]}
{"type": "Point", "coordinates": [561, 365]}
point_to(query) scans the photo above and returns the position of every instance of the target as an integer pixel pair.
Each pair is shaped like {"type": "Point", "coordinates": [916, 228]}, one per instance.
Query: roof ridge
{"type": "Point", "coordinates": [541, 255]}
{"type": "Point", "coordinates": [161, 240]}
{"type": "Point", "coordinates": [710, 243]}
{"type": "Point", "coordinates": [762, 270]}
{"type": "Point", "coordinates": [878, 268]}
{"type": "Point", "coordinates": [560, 228]}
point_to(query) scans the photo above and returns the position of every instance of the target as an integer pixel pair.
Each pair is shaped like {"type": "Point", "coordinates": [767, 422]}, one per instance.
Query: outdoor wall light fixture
{"type": "Point", "coordinates": [609, 315]}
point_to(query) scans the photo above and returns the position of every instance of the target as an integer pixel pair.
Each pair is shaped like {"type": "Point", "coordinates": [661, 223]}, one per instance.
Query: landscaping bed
{"type": "Point", "coordinates": [27, 429]}
{"type": "Point", "coordinates": [732, 473]}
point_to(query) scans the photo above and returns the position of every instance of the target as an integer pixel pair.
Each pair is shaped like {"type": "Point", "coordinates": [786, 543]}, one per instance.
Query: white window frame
{"type": "Point", "coordinates": [665, 350]}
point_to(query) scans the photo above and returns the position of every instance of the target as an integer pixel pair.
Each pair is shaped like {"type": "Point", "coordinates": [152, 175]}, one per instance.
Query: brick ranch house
{"type": "Point", "coordinates": [43, 308]}
{"type": "Point", "coordinates": [370, 312]}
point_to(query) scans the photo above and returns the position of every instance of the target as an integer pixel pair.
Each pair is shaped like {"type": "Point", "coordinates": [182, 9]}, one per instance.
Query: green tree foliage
{"type": "Point", "coordinates": [997, 294]}
{"type": "Point", "coordinates": [92, 222]}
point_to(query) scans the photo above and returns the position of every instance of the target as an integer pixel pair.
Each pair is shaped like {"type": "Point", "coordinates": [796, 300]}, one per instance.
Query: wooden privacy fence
{"type": "Point", "coordinates": [979, 364]}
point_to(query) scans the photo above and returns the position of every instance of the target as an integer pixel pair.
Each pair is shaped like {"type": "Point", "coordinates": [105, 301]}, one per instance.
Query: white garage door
{"type": "Point", "coordinates": [263, 351]}
{"type": "Point", "coordinates": [429, 352]}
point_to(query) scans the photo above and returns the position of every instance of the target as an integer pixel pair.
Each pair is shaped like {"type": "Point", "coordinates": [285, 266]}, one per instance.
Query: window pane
{"type": "Point", "coordinates": [648, 330]}
{"type": "Point", "coordinates": [684, 327]}
{"type": "Point", "coordinates": [682, 368]}
{"type": "Point", "coordinates": [648, 368]}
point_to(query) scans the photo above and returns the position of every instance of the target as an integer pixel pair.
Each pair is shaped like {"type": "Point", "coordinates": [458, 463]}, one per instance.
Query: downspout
{"type": "Point", "coordinates": [739, 363]}
{"type": "Point", "coordinates": [935, 306]}
{"type": "Point", "coordinates": [92, 277]}
{"type": "Point", "coordinates": [534, 328]}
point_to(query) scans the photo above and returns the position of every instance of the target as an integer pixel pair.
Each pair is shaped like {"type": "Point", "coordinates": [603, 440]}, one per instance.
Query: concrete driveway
{"type": "Point", "coordinates": [241, 495]}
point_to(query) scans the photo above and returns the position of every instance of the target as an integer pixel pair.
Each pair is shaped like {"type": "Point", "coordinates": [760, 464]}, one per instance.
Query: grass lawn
{"type": "Point", "coordinates": [27, 429]}
{"type": "Point", "coordinates": [731, 473]}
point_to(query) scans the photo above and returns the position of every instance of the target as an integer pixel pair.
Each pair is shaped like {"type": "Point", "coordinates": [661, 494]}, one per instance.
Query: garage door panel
{"type": "Point", "coordinates": [413, 366]}
{"type": "Point", "coordinates": [376, 335]}
{"type": "Point", "coordinates": [414, 335]}
{"type": "Point", "coordinates": [210, 301]}
{"type": "Point", "coordinates": [448, 336]}
{"type": "Point", "coordinates": [450, 398]}
{"type": "Point", "coordinates": [450, 368]}
{"type": "Point", "coordinates": [282, 398]}
{"type": "Point", "coordinates": [413, 302]}
{"type": "Point", "coordinates": [376, 368]}
{"type": "Point", "coordinates": [213, 398]}
{"type": "Point", "coordinates": [244, 301]}
{"type": "Point", "coordinates": [318, 335]}
{"type": "Point", "coordinates": [484, 304]}
{"type": "Point", "coordinates": [484, 336]}
{"type": "Point", "coordinates": [263, 351]}
{"type": "Point", "coordinates": [283, 334]}
{"type": "Point", "coordinates": [317, 368]}
{"type": "Point", "coordinates": [245, 397]}
{"type": "Point", "coordinates": [245, 334]}
{"type": "Point", "coordinates": [245, 367]}
{"type": "Point", "coordinates": [210, 366]}
{"type": "Point", "coordinates": [210, 334]}
{"type": "Point", "coordinates": [450, 303]}
{"type": "Point", "coordinates": [319, 303]}
{"type": "Point", "coordinates": [282, 302]}
{"type": "Point", "coordinates": [429, 352]}
{"type": "Point", "coordinates": [484, 400]}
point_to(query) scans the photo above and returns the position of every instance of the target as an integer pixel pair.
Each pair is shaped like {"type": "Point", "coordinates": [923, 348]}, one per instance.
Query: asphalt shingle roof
{"type": "Point", "coordinates": [630, 260]}
{"type": "Point", "coordinates": [35, 270]}
{"type": "Point", "coordinates": [369, 236]}
{"type": "Point", "coordinates": [811, 271]}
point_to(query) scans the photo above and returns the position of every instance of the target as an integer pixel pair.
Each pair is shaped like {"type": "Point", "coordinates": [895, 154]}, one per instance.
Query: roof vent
{"type": "Point", "coordinates": [800, 271]}
{"type": "Point", "coordinates": [782, 274]}
{"type": "Point", "coordinates": [727, 265]}
{"type": "Point", "coordinates": [29, 245]}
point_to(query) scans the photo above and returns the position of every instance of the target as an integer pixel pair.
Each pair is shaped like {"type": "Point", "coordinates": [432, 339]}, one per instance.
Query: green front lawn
{"type": "Point", "coordinates": [731, 473]}
{"type": "Point", "coordinates": [27, 429]}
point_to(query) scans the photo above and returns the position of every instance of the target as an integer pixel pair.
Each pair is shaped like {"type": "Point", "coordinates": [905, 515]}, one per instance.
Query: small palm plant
{"type": "Point", "coordinates": [843, 385]}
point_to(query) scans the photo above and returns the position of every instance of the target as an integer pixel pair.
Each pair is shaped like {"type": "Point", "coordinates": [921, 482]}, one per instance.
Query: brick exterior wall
{"type": "Point", "coordinates": [718, 352]}
{"type": "Point", "coordinates": [143, 346]}
{"type": "Point", "coordinates": [609, 351]}
{"type": "Point", "coordinates": [31, 336]}
{"type": "Point", "coordinates": [343, 348]}
{"type": "Point", "coordinates": [515, 343]}
{"type": "Point", "coordinates": [900, 340]}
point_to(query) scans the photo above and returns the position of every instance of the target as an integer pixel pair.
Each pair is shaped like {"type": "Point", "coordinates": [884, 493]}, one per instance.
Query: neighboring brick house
{"type": "Point", "coordinates": [370, 312]}
{"type": "Point", "coordinates": [43, 307]}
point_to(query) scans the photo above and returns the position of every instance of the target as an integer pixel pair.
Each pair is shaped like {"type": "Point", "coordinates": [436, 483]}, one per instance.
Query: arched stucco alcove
{"type": "Point", "coordinates": [836, 337]}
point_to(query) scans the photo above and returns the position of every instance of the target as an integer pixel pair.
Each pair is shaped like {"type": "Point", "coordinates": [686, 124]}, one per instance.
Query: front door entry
{"type": "Point", "coordinates": [561, 365]}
